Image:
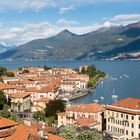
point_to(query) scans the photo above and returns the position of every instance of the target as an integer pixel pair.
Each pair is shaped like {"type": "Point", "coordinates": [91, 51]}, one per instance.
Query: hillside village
{"type": "Point", "coordinates": [34, 106]}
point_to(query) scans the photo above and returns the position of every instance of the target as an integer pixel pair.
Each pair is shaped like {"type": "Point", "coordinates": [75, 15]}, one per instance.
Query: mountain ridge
{"type": "Point", "coordinates": [98, 44]}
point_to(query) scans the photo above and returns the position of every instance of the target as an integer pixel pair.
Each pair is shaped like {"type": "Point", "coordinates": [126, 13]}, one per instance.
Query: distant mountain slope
{"type": "Point", "coordinates": [105, 43]}
{"type": "Point", "coordinates": [4, 47]}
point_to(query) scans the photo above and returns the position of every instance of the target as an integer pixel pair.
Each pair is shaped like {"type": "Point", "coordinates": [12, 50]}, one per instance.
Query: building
{"type": "Point", "coordinates": [123, 119]}
{"type": "Point", "coordinates": [20, 102]}
{"type": "Point", "coordinates": [41, 102]}
{"type": "Point", "coordinates": [90, 115]}
{"type": "Point", "coordinates": [10, 130]}
{"type": "Point", "coordinates": [6, 127]}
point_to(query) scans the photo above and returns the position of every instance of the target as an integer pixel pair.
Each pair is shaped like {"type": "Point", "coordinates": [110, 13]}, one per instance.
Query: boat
{"type": "Point", "coordinates": [96, 101]}
{"type": "Point", "coordinates": [102, 98]}
{"type": "Point", "coordinates": [127, 76]}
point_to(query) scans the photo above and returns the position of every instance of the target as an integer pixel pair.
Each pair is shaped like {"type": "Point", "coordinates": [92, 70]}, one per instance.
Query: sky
{"type": "Point", "coordinates": [24, 20]}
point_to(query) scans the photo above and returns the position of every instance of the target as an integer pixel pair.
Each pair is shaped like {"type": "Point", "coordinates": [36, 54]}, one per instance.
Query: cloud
{"type": "Point", "coordinates": [64, 22]}
{"type": "Point", "coordinates": [65, 9]}
{"type": "Point", "coordinates": [17, 36]}
{"type": "Point", "coordinates": [25, 4]}
{"type": "Point", "coordinates": [62, 5]}
{"type": "Point", "coordinates": [125, 19]}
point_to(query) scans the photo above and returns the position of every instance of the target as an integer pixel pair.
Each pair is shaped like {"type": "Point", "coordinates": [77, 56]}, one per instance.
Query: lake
{"type": "Point", "coordinates": [123, 80]}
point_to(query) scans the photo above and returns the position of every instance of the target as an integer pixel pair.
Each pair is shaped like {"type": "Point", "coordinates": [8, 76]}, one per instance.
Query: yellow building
{"type": "Point", "coordinates": [90, 115]}
{"type": "Point", "coordinates": [123, 119]}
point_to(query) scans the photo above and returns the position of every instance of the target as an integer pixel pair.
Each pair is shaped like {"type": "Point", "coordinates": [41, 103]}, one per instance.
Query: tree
{"type": "Point", "coordinates": [25, 71]}
{"type": "Point", "coordinates": [46, 68]}
{"type": "Point", "coordinates": [3, 99]}
{"type": "Point", "coordinates": [9, 74]}
{"type": "Point", "coordinates": [68, 132]}
{"type": "Point", "coordinates": [91, 71]}
{"type": "Point", "coordinates": [51, 120]}
{"type": "Point", "coordinates": [53, 107]}
{"type": "Point", "coordinates": [2, 71]}
{"type": "Point", "coordinates": [89, 135]}
{"type": "Point", "coordinates": [83, 71]}
{"type": "Point", "coordinates": [39, 115]}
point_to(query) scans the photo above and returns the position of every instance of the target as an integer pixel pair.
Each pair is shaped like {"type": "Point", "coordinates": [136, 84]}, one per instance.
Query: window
{"type": "Point", "coordinates": [126, 132]}
{"type": "Point", "coordinates": [132, 134]}
{"type": "Point", "coordinates": [108, 112]}
{"type": "Point", "coordinates": [127, 117]}
{"type": "Point", "coordinates": [132, 117]}
{"type": "Point", "coordinates": [139, 118]}
{"type": "Point", "coordinates": [139, 126]}
{"type": "Point", "coordinates": [108, 119]}
{"type": "Point", "coordinates": [121, 115]}
{"type": "Point", "coordinates": [132, 125]}
{"type": "Point", "coordinates": [139, 135]}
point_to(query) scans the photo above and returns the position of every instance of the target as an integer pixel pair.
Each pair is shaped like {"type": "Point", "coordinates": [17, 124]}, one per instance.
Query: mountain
{"type": "Point", "coordinates": [111, 42]}
{"type": "Point", "coordinates": [4, 47]}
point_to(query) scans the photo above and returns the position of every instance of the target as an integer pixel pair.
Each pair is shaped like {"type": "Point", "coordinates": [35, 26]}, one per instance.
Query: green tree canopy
{"type": "Point", "coordinates": [2, 71]}
{"type": "Point", "coordinates": [68, 132]}
{"type": "Point", "coordinates": [2, 99]}
{"type": "Point", "coordinates": [53, 107]}
{"type": "Point", "coordinates": [89, 135]}
{"type": "Point", "coordinates": [46, 68]}
{"type": "Point", "coordinates": [9, 74]}
{"type": "Point", "coordinates": [39, 115]}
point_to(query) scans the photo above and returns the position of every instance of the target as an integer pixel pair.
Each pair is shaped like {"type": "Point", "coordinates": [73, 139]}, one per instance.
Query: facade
{"type": "Point", "coordinates": [123, 119]}
{"type": "Point", "coordinates": [20, 102]}
{"type": "Point", "coordinates": [42, 102]}
{"type": "Point", "coordinates": [82, 115]}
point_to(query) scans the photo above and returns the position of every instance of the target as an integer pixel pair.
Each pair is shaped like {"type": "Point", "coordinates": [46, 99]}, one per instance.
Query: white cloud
{"type": "Point", "coordinates": [65, 9]}
{"type": "Point", "coordinates": [109, 24]}
{"type": "Point", "coordinates": [62, 5]}
{"type": "Point", "coordinates": [16, 35]}
{"type": "Point", "coordinates": [66, 22]}
{"type": "Point", "coordinates": [125, 19]}
{"type": "Point", "coordinates": [25, 4]}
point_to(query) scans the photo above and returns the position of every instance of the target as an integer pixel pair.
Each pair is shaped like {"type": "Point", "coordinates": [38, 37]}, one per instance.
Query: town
{"type": "Point", "coordinates": [35, 105]}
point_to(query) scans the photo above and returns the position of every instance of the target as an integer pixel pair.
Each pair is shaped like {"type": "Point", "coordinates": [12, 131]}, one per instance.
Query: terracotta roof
{"type": "Point", "coordinates": [51, 86]}
{"type": "Point", "coordinates": [6, 123]}
{"type": "Point", "coordinates": [44, 99]}
{"type": "Point", "coordinates": [128, 105]}
{"type": "Point", "coordinates": [85, 108]}
{"type": "Point", "coordinates": [87, 122]}
{"type": "Point", "coordinates": [32, 89]}
{"type": "Point", "coordinates": [6, 86]}
{"type": "Point", "coordinates": [20, 95]}
{"type": "Point", "coordinates": [6, 132]}
{"type": "Point", "coordinates": [23, 132]}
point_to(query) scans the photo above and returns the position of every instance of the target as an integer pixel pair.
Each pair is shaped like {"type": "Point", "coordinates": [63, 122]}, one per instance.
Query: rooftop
{"type": "Point", "coordinates": [20, 95]}
{"type": "Point", "coordinates": [6, 123]}
{"type": "Point", "coordinates": [85, 108]}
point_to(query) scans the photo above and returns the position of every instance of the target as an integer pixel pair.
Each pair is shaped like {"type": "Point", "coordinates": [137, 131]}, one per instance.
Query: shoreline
{"type": "Point", "coordinates": [89, 90]}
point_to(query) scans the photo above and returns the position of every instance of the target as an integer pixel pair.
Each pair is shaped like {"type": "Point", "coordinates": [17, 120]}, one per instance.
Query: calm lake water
{"type": "Point", "coordinates": [123, 81]}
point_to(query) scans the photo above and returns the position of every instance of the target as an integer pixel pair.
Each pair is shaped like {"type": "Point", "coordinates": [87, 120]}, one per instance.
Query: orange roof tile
{"type": "Point", "coordinates": [6, 86]}
{"type": "Point", "coordinates": [20, 95]}
{"type": "Point", "coordinates": [129, 105]}
{"type": "Point", "coordinates": [85, 108]}
{"type": "Point", "coordinates": [86, 122]}
{"type": "Point", "coordinates": [44, 99]}
{"type": "Point", "coordinates": [6, 123]}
